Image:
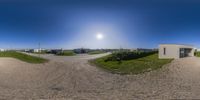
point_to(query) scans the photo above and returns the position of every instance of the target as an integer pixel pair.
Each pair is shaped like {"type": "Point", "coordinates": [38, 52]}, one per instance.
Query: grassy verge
{"type": "Point", "coordinates": [95, 52]}
{"type": "Point", "coordinates": [134, 66]}
{"type": "Point", "coordinates": [23, 57]}
{"type": "Point", "coordinates": [66, 53]}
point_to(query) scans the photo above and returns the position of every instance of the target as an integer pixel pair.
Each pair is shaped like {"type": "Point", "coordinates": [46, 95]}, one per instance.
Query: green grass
{"type": "Point", "coordinates": [134, 66]}
{"type": "Point", "coordinates": [95, 52]}
{"type": "Point", "coordinates": [23, 57]}
{"type": "Point", "coordinates": [66, 53]}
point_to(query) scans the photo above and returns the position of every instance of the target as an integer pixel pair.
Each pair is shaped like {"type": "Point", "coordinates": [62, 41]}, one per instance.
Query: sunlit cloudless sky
{"type": "Point", "coordinates": [75, 23]}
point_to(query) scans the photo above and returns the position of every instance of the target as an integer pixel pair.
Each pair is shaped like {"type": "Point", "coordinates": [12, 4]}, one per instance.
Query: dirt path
{"type": "Point", "coordinates": [73, 78]}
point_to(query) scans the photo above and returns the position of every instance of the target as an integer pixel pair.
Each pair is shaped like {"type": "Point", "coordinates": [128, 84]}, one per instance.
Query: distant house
{"type": "Point", "coordinates": [36, 50]}
{"type": "Point", "coordinates": [39, 50]}
{"type": "Point", "coordinates": [81, 50]}
{"type": "Point", "coordinates": [143, 50]}
{"type": "Point", "coordinates": [29, 50]}
{"type": "Point", "coordinates": [197, 50]}
{"type": "Point", "coordinates": [2, 50]}
{"type": "Point", "coordinates": [175, 51]}
{"type": "Point", "coordinates": [55, 51]}
{"type": "Point", "coordinates": [33, 50]}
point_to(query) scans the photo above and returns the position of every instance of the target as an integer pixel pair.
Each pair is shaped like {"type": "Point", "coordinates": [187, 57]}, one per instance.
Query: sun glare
{"type": "Point", "coordinates": [99, 36]}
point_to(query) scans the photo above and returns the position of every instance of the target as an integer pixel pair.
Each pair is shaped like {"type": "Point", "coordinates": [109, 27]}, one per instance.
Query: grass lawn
{"type": "Point", "coordinates": [23, 57]}
{"type": "Point", "coordinates": [66, 53]}
{"type": "Point", "coordinates": [134, 66]}
{"type": "Point", "coordinates": [95, 52]}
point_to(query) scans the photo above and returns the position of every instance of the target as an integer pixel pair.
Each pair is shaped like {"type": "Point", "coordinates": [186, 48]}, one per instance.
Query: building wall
{"type": "Point", "coordinates": [171, 51]}
{"type": "Point", "coordinates": [2, 50]}
{"type": "Point", "coordinates": [36, 50]}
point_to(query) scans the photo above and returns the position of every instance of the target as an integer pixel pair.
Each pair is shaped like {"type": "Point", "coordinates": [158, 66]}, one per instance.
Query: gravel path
{"type": "Point", "coordinates": [73, 78]}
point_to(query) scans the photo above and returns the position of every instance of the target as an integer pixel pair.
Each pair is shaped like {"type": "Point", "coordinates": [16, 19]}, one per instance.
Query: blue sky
{"type": "Point", "coordinates": [73, 24]}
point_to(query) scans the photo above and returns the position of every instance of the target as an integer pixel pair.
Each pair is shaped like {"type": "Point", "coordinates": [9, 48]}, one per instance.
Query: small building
{"type": "Point", "coordinates": [175, 51]}
{"type": "Point", "coordinates": [56, 51]}
{"type": "Point", "coordinates": [39, 50]}
{"type": "Point", "coordinates": [29, 50]}
{"type": "Point", "coordinates": [2, 50]}
{"type": "Point", "coordinates": [81, 50]}
{"type": "Point", "coordinates": [36, 50]}
{"type": "Point", "coordinates": [144, 50]}
{"type": "Point", "coordinates": [197, 50]}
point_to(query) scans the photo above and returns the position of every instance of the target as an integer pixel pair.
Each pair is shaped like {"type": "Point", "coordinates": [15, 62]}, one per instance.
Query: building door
{"type": "Point", "coordinates": [185, 52]}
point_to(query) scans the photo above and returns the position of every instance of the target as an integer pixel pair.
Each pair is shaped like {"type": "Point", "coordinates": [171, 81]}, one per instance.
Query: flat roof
{"type": "Point", "coordinates": [178, 44]}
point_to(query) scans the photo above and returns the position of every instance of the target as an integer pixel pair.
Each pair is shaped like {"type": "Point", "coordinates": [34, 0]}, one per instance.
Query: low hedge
{"type": "Point", "coordinates": [197, 54]}
{"type": "Point", "coordinates": [127, 55]}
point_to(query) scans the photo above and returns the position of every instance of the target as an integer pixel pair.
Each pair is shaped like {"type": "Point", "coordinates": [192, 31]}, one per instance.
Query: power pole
{"type": "Point", "coordinates": [120, 48]}
{"type": "Point", "coordinates": [39, 49]}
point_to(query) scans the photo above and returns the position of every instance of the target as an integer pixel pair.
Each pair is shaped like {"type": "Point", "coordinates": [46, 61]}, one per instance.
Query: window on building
{"type": "Point", "coordinates": [164, 51]}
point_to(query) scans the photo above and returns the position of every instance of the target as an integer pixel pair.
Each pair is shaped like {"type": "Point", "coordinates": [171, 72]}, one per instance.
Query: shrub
{"type": "Point", "coordinates": [96, 52]}
{"type": "Point", "coordinates": [197, 54]}
{"type": "Point", "coordinates": [65, 53]}
{"type": "Point", "coordinates": [127, 55]}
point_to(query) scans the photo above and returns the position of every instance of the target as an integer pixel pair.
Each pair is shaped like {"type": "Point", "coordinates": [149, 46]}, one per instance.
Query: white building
{"type": "Point", "coordinates": [175, 51]}
{"type": "Point", "coordinates": [38, 50]}
{"type": "Point", "coordinates": [2, 50]}
{"type": "Point", "coordinates": [198, 50]}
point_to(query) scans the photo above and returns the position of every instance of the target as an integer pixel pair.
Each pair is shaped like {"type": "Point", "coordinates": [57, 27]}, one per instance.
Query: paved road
{"type": "Point", "coordinates": [73, 78]}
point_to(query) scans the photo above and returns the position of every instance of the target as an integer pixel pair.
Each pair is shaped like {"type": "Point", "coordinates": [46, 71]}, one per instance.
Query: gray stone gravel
{"type": "Point", "coordinates": [74, 78]}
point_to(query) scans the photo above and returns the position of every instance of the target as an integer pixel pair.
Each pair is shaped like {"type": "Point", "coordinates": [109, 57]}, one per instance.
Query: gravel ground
{"type": "Point", "coordinates": [74, 78]}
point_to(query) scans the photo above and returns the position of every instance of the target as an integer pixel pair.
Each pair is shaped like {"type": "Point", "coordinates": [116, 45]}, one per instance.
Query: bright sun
{"type": "Point", "coordinates": [99, 36]}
